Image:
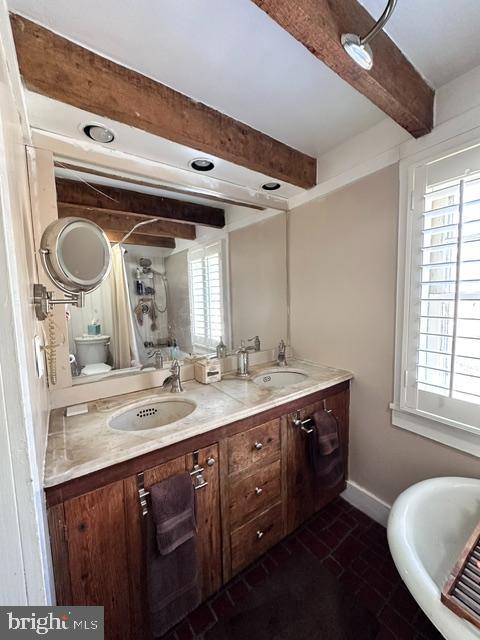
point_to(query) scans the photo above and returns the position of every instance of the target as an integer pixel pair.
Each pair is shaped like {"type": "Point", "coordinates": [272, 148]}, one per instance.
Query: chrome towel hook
{"type": "Point", "coordinates": [306, 425]}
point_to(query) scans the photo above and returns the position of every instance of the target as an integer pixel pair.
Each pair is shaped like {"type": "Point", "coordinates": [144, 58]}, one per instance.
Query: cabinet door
{"type": "Point", "coordinates": [136, 542]}
{"type": "Point", "coordinates": [304, 494]}
{"type": "Point", "coordinates": [208, 516]}
{"type": "Point", "coordinates": [97, 556]}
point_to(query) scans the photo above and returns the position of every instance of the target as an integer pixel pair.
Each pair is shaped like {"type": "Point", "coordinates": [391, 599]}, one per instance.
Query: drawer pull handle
{"type": "Point", "coordinates": [260, 534]}
{"type": "Point", "coordinates": [210, 461]}
{"type": "Point", "coordinates": [258, 446]}
{"type": "Point", "coordinates": [258, 491]}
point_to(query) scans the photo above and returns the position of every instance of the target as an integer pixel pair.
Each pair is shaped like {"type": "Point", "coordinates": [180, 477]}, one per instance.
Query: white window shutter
{"type": "Point", "coordinates": [441, 341]}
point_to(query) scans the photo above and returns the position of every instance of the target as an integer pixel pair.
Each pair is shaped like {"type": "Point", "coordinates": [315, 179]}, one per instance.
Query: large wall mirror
{"type": "Point", "coordinates": [202, 273]}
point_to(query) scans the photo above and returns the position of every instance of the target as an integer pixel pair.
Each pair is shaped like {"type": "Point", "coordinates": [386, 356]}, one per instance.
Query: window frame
{"type": "Point", "coordinates": [448, 432]}
{"type": "Point", "coordinates": [225, 289]}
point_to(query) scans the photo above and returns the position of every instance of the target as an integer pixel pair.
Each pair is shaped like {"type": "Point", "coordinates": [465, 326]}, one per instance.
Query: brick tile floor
{"type": "Point", "coordinates": [354, 549]}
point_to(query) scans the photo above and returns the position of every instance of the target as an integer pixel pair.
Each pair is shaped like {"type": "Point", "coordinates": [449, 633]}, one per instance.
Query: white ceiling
{"type": "Point", "coordinates": [439, 37]}
{"type": "Point", "coordinates": [232, 57]}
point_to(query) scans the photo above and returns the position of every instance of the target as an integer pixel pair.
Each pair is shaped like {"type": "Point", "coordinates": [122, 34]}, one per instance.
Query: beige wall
{"type": "Point", "coordinates": [258, 277]}
{"type": "Point", "coordinates": [342, 276]}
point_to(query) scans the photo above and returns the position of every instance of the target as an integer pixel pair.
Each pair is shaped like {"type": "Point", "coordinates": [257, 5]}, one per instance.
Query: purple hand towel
{"type": "Point", "coordinates": [173, 510]}
{"type": "Point", "coordinates": [323, 447]}
{"type": "Point", "coordinates": [173, 575]}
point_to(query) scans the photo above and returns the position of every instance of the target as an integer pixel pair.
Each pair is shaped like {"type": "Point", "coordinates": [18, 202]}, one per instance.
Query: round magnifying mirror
{"type": "Point", "coordinates": [76, 254]}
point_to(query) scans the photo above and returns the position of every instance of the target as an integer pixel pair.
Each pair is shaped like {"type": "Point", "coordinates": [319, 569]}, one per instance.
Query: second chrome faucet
{"type": "Point", "coordinates": [282, 357]}
{"type": "Point", "coordinates": [174, 379]}
{"type": "Point", "coordinates": [242, 361]}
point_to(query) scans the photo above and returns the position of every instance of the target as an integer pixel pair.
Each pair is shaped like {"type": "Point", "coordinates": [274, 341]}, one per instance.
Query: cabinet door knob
{"type": "Point", "coordinates": [210, 461]}
{"type": "Point", "coordinates": [258, 491]}
{"type": "Point", "coordinates": [258, 446]}
{"type": "Point", "coordinates": [260, 534]}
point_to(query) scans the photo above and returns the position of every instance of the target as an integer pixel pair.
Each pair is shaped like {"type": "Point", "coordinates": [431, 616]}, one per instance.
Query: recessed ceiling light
{"type": "Point", "coordinates": [202, 164]}
{"type": "Point", "coordinates": [99, 133]}
{"type": "Point", "coordinates": [271, 186]}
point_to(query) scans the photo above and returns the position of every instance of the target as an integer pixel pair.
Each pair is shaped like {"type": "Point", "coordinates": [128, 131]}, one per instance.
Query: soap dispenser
{"type": "Point", "coordinates": [221, 349]}
{"type": "Point", "coordinates": [242, 361]}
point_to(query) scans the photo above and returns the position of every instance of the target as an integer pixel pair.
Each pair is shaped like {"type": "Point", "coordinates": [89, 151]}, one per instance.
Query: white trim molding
{"type": "Point", "coordinates": [23, 398]}
{"type": "Point", "coordinates": [367, 502]}
{"type": "Point", "coordinates": [454, 437]}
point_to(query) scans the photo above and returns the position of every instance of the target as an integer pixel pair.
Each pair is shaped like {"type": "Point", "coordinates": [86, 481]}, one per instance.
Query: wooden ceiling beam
{"type": "Point", "coordinates": [60, 69]}
{"type": "Point", "coordinates": [115, 200]}
{"type": "Point", "coordinates": [393, 84]}
{"type": "Point", "coordinates": [141, 239]}
{"type": "Point", "coordinates": [120, 221]}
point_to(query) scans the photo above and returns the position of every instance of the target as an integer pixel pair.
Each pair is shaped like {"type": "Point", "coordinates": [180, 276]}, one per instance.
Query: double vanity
{"type": "Point", "coordinates": [242, 442]}
{"type": "Point", "coordinates": [121, 422]}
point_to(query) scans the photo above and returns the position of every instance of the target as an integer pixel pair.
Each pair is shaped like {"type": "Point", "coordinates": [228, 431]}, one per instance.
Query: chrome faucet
{"type": "Point", "coordinates": [281, 357]}
{"type": "Point", "coordinates": [256, 343]}
{"type": "Point", "coordinates": [158, 358]}
{"type": "Point", "coordinates": [174, 379]}
{"type": "Point", "coordinates": [242, 361]}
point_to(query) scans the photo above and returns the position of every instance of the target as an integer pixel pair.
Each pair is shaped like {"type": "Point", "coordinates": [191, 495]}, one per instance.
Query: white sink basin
{"type": "Point", "coordinates": [280, 377]}
{"type": "Point", "coordinates": [429, 525]}
{"type": "Point", "coordinates": [152, 415]}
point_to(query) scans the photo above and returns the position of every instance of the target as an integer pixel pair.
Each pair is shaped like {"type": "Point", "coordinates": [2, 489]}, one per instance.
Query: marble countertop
{"type": "Point", "coordinates": [81, 444]}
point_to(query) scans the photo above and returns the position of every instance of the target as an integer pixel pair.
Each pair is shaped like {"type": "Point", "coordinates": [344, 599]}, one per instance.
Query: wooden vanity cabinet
{"type": "Point", "coordinates": [259, 489]}
{"type": "Point", "coordinates": [98, 544]}
{"type": "Point", "coordinates": [90, 555]}
{"type": "Point", "coordinates": [305, 495]}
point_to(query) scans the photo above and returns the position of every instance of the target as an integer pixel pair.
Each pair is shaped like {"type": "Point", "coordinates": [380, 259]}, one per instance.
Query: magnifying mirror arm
{"type": "Point", "coordinates": [44, 300]}
{"type": "Point", "coordinates": [76, 299]}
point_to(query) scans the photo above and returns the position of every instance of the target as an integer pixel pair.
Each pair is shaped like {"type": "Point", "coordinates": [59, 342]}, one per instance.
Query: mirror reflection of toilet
{"type": "Point", "coordinates": [92, 354]}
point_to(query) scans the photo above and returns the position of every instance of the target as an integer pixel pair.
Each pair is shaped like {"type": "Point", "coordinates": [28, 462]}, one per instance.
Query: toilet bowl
{"type": "Point", "coordinates": [92, 353]}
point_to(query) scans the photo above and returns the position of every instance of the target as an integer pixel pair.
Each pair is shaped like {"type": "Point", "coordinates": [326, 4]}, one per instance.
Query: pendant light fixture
{"type": "Point", "coordinates": [358, 48]}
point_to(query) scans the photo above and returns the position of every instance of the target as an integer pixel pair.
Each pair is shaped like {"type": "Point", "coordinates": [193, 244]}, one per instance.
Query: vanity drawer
{"type": "Point", "coordinates": [256, 536]}
{"type": "Point", "coordinates": [255, 493]}
{"type": "Point", "coordinates": [254, 445]}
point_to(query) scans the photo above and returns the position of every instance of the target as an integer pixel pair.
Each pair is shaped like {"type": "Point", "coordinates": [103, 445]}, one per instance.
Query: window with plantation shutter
{"type": "Point", "coordinates": [206, 295]}
{"type": "Point", "coordinates": [441, 333]}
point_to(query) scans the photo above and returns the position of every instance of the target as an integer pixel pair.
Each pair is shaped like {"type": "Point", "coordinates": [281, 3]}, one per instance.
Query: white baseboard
{"type": "Point", "coordinates": [367, 502]}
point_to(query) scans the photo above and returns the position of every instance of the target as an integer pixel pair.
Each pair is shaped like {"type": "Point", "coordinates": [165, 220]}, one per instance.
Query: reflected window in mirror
{"type": "Point", "coordinates": [208, 306]}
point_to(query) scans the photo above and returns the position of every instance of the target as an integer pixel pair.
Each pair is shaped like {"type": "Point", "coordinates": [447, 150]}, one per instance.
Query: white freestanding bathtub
{"type": "Point", "coordinates": [428, 527]}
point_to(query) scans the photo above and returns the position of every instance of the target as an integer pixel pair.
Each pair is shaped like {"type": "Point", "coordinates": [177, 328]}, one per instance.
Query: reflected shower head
{"type": "Point", "coordinates": [145, 262]}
